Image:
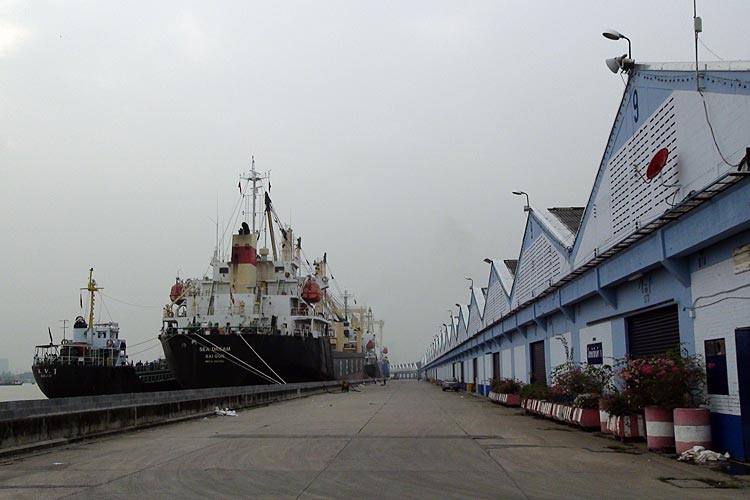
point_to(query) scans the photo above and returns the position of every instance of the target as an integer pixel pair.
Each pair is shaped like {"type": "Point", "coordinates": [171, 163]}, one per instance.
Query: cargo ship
{"type": "Point", "coordinates": [262, 316]}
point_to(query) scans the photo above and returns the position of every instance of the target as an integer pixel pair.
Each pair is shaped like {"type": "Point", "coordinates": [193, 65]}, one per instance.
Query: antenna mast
{"type": "Point", "coordinates": [697, 28]}
{"type": "Point", "coordinates": [346, 296]}
{"type": "Point", "coordinates": [64, 327]}
{"type": "Point", "coordinates": [255, 178]}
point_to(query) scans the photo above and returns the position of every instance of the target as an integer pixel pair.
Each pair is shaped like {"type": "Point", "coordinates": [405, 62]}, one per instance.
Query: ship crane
{"type": "Point", "coordinates": [269, 211]}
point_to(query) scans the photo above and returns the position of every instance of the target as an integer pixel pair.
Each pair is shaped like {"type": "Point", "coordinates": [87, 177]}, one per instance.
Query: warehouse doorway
{"type": "Point", "coordinates": [653, 332]}
{"type": "Point", "coordinates": [538, 365]}
{"type": "Point", "coordinates": [742, 345]}
{"type": "Point", "coordinates": [474, 368]}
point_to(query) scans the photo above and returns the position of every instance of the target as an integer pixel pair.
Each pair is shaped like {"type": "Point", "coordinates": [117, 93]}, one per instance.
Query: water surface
{"type": "Point", "coordinates": [25, 391]}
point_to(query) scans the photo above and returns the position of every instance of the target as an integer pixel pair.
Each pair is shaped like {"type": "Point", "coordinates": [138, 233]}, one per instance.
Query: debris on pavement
{"type": "Point", "coordinates": [701, 455]}
{"type": "Point", "coordinates": [226, 412]}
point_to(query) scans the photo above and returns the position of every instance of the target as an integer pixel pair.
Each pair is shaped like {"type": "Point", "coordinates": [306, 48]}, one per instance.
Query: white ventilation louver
{"type": "Point", "coordinates": [636, 200]}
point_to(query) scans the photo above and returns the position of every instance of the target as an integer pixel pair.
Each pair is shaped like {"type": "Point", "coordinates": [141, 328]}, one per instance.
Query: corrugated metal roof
{"type": "Point", "coordinates": [571, 217]}
{"type": "Point", "coordinates": [511, 264]}
{"type": "Point", "coordinates": [690, 66]}
{"type": "Point", "coordinates": [554, 226]}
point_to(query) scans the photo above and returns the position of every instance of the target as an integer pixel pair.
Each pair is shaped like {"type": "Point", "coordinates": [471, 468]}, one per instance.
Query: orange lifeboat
{"type": "Point", "coordinates": [370, 345]}
{"type": "Point", "coordinates": [311, 292]}
{"type": "Point", "coordinates": [385, 350]}
{"type": "Point", "coordinates": [175, 294]}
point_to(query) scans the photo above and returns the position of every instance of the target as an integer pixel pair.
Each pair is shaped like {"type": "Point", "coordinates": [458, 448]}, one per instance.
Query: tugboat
{"type": "Point", "coordinates": [258, 318]}
{"type": "Point", "coordinates": [95, 362]}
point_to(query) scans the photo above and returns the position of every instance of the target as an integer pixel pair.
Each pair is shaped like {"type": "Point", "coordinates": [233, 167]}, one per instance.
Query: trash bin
{"type": "Point", "coordinates": [469, 387]}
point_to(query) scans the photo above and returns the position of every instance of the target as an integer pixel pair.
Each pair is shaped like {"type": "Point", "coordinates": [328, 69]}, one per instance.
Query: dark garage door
{"type": "Point", "coordinates": [653, 332]}
{"type": "Point", "coordinates": [538, 368]}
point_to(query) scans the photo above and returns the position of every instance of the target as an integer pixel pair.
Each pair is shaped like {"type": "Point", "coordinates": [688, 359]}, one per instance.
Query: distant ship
{"type": "Point", "coordinates": [261, 316]}
{"type": "Point", "coordinates": [95, 362]}
{"type": "Point", "coordinates": [11, 382]}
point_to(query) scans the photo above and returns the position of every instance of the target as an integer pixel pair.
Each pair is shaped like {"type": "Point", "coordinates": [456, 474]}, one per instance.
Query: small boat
{"type": "Point", "coordinates": [95, 362]}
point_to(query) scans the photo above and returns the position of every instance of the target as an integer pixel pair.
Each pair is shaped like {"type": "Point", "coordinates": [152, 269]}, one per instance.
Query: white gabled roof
{"type": "Point", "coordinates": [479, 298]}
{"type": "Point", "coordinates": [506, 277]}
{"type": "Point", "coordinates": [464, 313]}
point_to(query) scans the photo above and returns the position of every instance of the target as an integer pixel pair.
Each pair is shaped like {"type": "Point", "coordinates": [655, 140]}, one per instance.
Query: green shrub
{"type": "Point", "coordinates": [537, 390]}
{"type": "Point", "coordinates": [506, 386]}
{"type": "Point", "coordinates": [622, 404]}
{"type": "Point", "coordinates": [587, 401]}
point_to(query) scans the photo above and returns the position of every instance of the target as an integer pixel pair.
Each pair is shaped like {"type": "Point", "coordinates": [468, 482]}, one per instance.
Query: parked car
{"type": "Point", "coordinates": [450, 384]}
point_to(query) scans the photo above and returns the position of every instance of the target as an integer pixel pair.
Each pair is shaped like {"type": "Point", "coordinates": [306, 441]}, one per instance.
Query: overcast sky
{"type": "Point", "coordinates": [394, 131]}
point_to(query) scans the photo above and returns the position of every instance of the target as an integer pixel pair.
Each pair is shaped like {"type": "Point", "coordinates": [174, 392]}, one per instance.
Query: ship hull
{"type": "Point", "coordinates": [60, 381]}
{"type": "Point", "coordinates": [200, 361]}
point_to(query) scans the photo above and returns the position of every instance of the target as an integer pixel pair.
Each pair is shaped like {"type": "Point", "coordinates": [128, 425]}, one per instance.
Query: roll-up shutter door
{"type": "Point", "coordinates": [538, 369]}
{"type": "Point", "coordinates": [653, 332]}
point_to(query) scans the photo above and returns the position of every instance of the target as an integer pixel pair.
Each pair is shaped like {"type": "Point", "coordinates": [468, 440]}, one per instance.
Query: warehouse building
{"type": "Point", "coordinates": [658, 258]}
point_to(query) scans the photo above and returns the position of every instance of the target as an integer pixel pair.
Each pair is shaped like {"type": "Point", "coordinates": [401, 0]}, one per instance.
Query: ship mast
{"type": "Point", "coordinates": [91, 289]}
{"type": "Point", "coordinates": [255, 178]}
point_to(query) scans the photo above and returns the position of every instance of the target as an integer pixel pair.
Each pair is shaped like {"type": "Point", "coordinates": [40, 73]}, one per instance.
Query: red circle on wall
{"type": "Point", "coordinates": [657, 163]}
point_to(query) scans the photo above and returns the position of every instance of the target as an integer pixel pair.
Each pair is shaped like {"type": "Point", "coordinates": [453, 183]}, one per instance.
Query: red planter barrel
{"type": "Point", "coordinates": [659, 429]}
{"type": "Point", "coordinates": [626, 428]}
{"type": "Point", "coordinates": [506, 399]}
{"type": "Point", "coordinates": [692, 427]}
{"type": "Point", "coordinates": [588, 419]}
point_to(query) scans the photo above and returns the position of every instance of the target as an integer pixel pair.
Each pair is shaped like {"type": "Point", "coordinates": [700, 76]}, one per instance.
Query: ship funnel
{"type": "Point", "coordinates": [243, 271]}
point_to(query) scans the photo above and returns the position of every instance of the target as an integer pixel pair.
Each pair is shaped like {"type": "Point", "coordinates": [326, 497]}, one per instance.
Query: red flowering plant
{"type": "Point", "coordinates": [673, 380]}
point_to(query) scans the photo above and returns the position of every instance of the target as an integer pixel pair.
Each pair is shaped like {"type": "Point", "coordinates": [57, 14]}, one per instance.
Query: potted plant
{"type": "Point", "coordinates": [662, 384]}
{"type": "Point", "coordinates": [586, 411]}
{"type": "Point", "coordinates": [506, 391]}
{"type": "Point", "coordinates": [533, 396]}
{"type": "Point", "coordinates": [571, 380]}
{"type": "Point", "coordinates": [692, 419]}
{"type": "Point", "coordinates": [625, 420]}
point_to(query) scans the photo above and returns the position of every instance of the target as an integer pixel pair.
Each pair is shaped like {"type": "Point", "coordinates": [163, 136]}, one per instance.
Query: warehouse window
{"type": "Point", "coordinates": [716, 367]}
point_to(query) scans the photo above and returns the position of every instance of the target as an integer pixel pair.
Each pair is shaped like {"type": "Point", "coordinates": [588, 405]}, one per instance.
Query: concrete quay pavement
{"type": "Point", "coordinates": [405, 440]}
